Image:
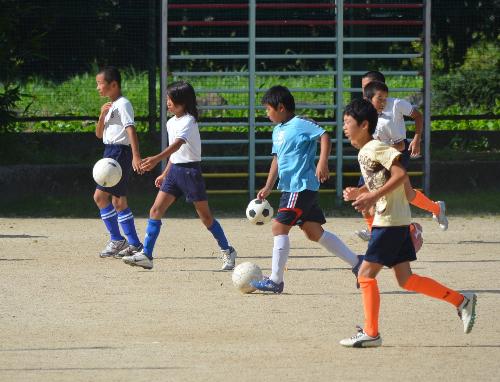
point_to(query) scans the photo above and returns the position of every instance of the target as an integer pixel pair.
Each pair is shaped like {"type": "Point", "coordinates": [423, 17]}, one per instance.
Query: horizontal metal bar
{"type": "Point", "coordinates": [245, 91]}
{"type": "Point", "coordinates": [207, 56]}
{"type": "Point", "coordinates": [292, 39]}
{"type": "Point", "coordinates": [223, 141]}
{"type": "Point", "coordinates": [381, 39]}
{"type": "Point", "coordinates": [209, 39]}
{"type": "Point", "coordinates": [226, 175]}
{"type": "Point", "coordinates": [392, 90]}
{"type": "Point", "coordinates": [383, 55]}
{"type": "Point", "coordinates": [222, 124]}
{"type": "Point", "coordinates": [209, 74]}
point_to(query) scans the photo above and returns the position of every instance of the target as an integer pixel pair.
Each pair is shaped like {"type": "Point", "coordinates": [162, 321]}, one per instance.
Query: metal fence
{"type": "Point", "coordinates": [260, 33]}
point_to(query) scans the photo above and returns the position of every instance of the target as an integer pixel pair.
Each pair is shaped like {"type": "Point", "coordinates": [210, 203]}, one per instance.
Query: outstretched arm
{"type": "Point", "coordinates": [149, 163]}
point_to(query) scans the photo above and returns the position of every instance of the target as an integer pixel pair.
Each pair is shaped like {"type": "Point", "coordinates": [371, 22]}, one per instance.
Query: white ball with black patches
{"type": "Point", "coordinates": [107, 172]}
{"type": "Point", "coordinates": [259, 211]}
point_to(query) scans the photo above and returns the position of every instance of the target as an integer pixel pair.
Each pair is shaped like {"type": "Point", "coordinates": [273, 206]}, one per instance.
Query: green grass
{"type": "Point", "coordinates": [78, 96]}
{"type": "Point", "coordinates": [466, 202]}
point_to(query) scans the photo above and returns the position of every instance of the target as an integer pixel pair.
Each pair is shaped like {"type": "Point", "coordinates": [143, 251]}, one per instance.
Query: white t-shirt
{"type": "Point", "coordinates": [186, 129]}
{"type": "Point", "coordinates": [120, 116]}
{"type": "Point", "coordinates": [375, 159]}
{"type": "Point", "coordinates": [391, 126]}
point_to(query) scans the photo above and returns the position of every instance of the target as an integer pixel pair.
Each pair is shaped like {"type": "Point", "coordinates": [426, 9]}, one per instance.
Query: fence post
{"type": "Point", "coordinates": [339, 99]}
{"type": "Point", "coordinates": [251, 98]}
{"type": "Point", "coordinates": [152, 66]}
{"type": "Point", "coordinates": [427, 97]}
{"type": "Point", "coordinates": [164, 77]}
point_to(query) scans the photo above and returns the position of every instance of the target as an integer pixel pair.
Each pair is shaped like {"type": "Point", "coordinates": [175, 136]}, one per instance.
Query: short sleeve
{"type": "Point", "coordinates": [126, 114]}
{"type": "Point", "coordinates": [404, 107]}
{"type": "Point", "coordinates": [312, 129]}
{"type": "Point", "coordinates": [386, 155]}
{"type": "Point", "coordinates": [183, 130]}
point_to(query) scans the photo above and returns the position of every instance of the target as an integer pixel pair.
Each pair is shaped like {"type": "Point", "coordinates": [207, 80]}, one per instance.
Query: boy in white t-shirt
{"type": "Point", "coordinates": [391, 129]}
{"type": "Point", "coordinates": [116, 128]}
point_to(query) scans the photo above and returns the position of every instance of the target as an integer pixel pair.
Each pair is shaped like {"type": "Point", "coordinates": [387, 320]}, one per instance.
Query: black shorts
{"type": "Point", "coordinates": [123, 155]}
{"type": "Point", "coordinates": [185, 179]}
{"type": "Point", "coordinates": [390, 246]}
{"type": "Point", "coordinates": [296, 208]}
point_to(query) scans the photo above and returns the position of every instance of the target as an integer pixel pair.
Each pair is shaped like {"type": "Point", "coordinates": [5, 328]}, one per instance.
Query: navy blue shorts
{"type": "Point", "coordinates": [404, 159]}
{"type": "Point", "coordinates": [390, 246]}
{"type": "Point", "coordinates": [296, 208]}
{"type": "Point", "coordinates": [185, 179]}
{"type": "Point", "coordinates": [123, 155]}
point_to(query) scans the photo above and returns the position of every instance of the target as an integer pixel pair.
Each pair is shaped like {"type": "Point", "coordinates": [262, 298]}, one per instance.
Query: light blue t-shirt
{"type": "Point", "coordinates": [295, 143]}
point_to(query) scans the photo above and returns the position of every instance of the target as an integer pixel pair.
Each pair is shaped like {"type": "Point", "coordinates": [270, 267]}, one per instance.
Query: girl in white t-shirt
{"type": "Point", "coordinates": [116, 128]}
{"type": "Point", "coordinates": [182, 176]}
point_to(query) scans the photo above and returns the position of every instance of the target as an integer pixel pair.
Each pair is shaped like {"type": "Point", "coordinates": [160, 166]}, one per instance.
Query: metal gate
{"type": "Point", "coordinates": [244, 44]}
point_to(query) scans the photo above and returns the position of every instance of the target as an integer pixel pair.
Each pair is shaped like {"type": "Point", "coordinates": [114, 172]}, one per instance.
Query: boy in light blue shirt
{"type": "Point", "coordinates": [295, 142]}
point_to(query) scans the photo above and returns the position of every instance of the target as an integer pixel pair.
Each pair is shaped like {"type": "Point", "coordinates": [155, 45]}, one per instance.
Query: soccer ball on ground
{"type": "Point", "coordinates": [107, 172]}
{"type": "Point", "coordinates": [259, 211]}
{"type": "Point", "coordinates": [243, 274]}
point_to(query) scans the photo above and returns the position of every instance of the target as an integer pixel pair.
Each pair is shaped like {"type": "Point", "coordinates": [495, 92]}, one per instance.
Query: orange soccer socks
{"type": "Point", "coordinates": [371, 304]}
{"type": "Point", "coordinates": [424, 203]}
{"type": "Point", "coordinates": [368, 220]}
{"type": "Point", "coordinates": [432, 288]}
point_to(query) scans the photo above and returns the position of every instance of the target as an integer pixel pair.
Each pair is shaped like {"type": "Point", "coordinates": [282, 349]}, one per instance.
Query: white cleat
{"type": "Point", "coordinates": [362, 340]}
{"type": "Point", "coordinates": [441, 218]}
{"type": "Point", "coordinates": [228, 257]}
{"type": "Point", "coordinates": [467, 311]}
{"type": "Point", "coordinates": [129, 251]}
{"type": "Point", "coordinates": [363, 234]}
{"type": "Point", "coordinates": [139, 259]}
{"type": "Point", "coordinates": [113, 248]}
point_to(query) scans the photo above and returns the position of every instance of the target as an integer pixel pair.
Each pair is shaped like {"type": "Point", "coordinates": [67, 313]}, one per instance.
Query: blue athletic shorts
{"type": "Point", "coordinates": [296, 208]}
{"type": "Point", "coordinates": [404, 159]}
{"type": "Point", "coordinates": [123, 155]}
{"type": "Point", "coordinates": [390, 246]}
{"type": "Point", "coordinates": [185, 179]}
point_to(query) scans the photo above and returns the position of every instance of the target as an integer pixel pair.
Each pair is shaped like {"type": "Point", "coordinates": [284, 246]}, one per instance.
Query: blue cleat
{"type": "Point", "coordinates": [268, 285]}
{"type": "Point", "coordinates": [355, 269]}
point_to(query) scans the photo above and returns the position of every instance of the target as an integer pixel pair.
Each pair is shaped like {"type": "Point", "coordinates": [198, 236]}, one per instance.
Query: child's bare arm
{"type": "Point", "coordinates": [322, 172]}
{"type": "Point", "coordinates": [417, 138]}
{"type": "Point", "coordinates": [149, 163]}
{"type": "Point", "coordinates": [99, 129]}
{"type": "Point", "coordinates": [134, 144]}
{"type": "Point", "coordinates": [271, 179]}
{"type": "Point", "coordinates": [366, 200]}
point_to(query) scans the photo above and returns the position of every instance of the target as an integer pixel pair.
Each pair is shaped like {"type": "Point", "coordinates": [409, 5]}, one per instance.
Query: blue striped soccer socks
{"type": "Point", "coordinates": [110, 219]}
{"type": "Point", "coordinates": [219, 235]}
{"type": "Point", "coordinates": [126, 220]}
{"type": "Point", "coordinates": [152, 232]}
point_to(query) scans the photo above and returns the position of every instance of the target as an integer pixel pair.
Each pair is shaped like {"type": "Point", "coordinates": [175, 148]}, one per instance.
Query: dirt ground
{"type": "Point", "coordinates": [67, 315]}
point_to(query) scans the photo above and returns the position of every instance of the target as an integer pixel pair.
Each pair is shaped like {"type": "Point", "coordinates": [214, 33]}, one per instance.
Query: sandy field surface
{"type": "Point", "coordinates": [67, 315]}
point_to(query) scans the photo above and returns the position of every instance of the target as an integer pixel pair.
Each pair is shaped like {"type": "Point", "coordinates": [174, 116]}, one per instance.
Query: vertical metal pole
{"type": "Point", "coordinates": [251, 98]}
{"type": "Point", "coordinates": [427, 97]}
{"type": "Point", "coordinates": [152, 66]}
{"type": "Point", "coordinates": [163, 78]}
{"type": "Point", "coordinates": [340, 96]}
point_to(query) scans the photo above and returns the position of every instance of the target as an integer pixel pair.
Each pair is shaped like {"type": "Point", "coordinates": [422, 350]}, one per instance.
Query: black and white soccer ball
{"type": "Point", "coordinates": [107, 172]}
{"type": "Point", "coordinates": [259, 211]}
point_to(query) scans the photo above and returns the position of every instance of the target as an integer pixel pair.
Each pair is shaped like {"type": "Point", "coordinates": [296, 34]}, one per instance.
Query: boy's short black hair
{"type": "Point", "coordinates": [363, 110]}
{"type": "Point", "coordinates": [374, 87]}
{"type": "Point", "coordinates": [111, 74]}
{"type": "Point", "coordinates": [374, 75]}
{"type": "Point", "coordinates": [279, 94]}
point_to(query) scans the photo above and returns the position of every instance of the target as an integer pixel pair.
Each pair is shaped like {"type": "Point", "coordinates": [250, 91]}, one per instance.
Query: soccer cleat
{"type": "Point", "coordinates": [441, 218]}
{"type": "Point", "coordinates": [268, 285]}
{"type": "Point", "coordinates": [467, 311]}
{"type": "Point", "coordinates": [416, 232]}
{"type": "Point", "coordinates": [362, 340]}
{"type": "Point", "coordinates": [363, 234]}
{"type": "Point", "coordinates": [355, 269]}
{"type": "Point", "coordinates": [113, 247]}
{"type": "Point", "coordinates": [139, 259]}
{"type": "Point", "coordinates": [228, 257]}
{"type": "Point", "coordinates": [129, 251]}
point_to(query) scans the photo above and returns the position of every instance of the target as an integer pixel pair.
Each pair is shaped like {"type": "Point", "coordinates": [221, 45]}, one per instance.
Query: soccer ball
{"type": "Point", "coordinates": [259, 211]}
{"type": "Point", "coordinates": [107, 172]}
{"type": "Point", "coordinates": [417, 238]}
{"type": "Point", "coordinates": [243, 274]}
